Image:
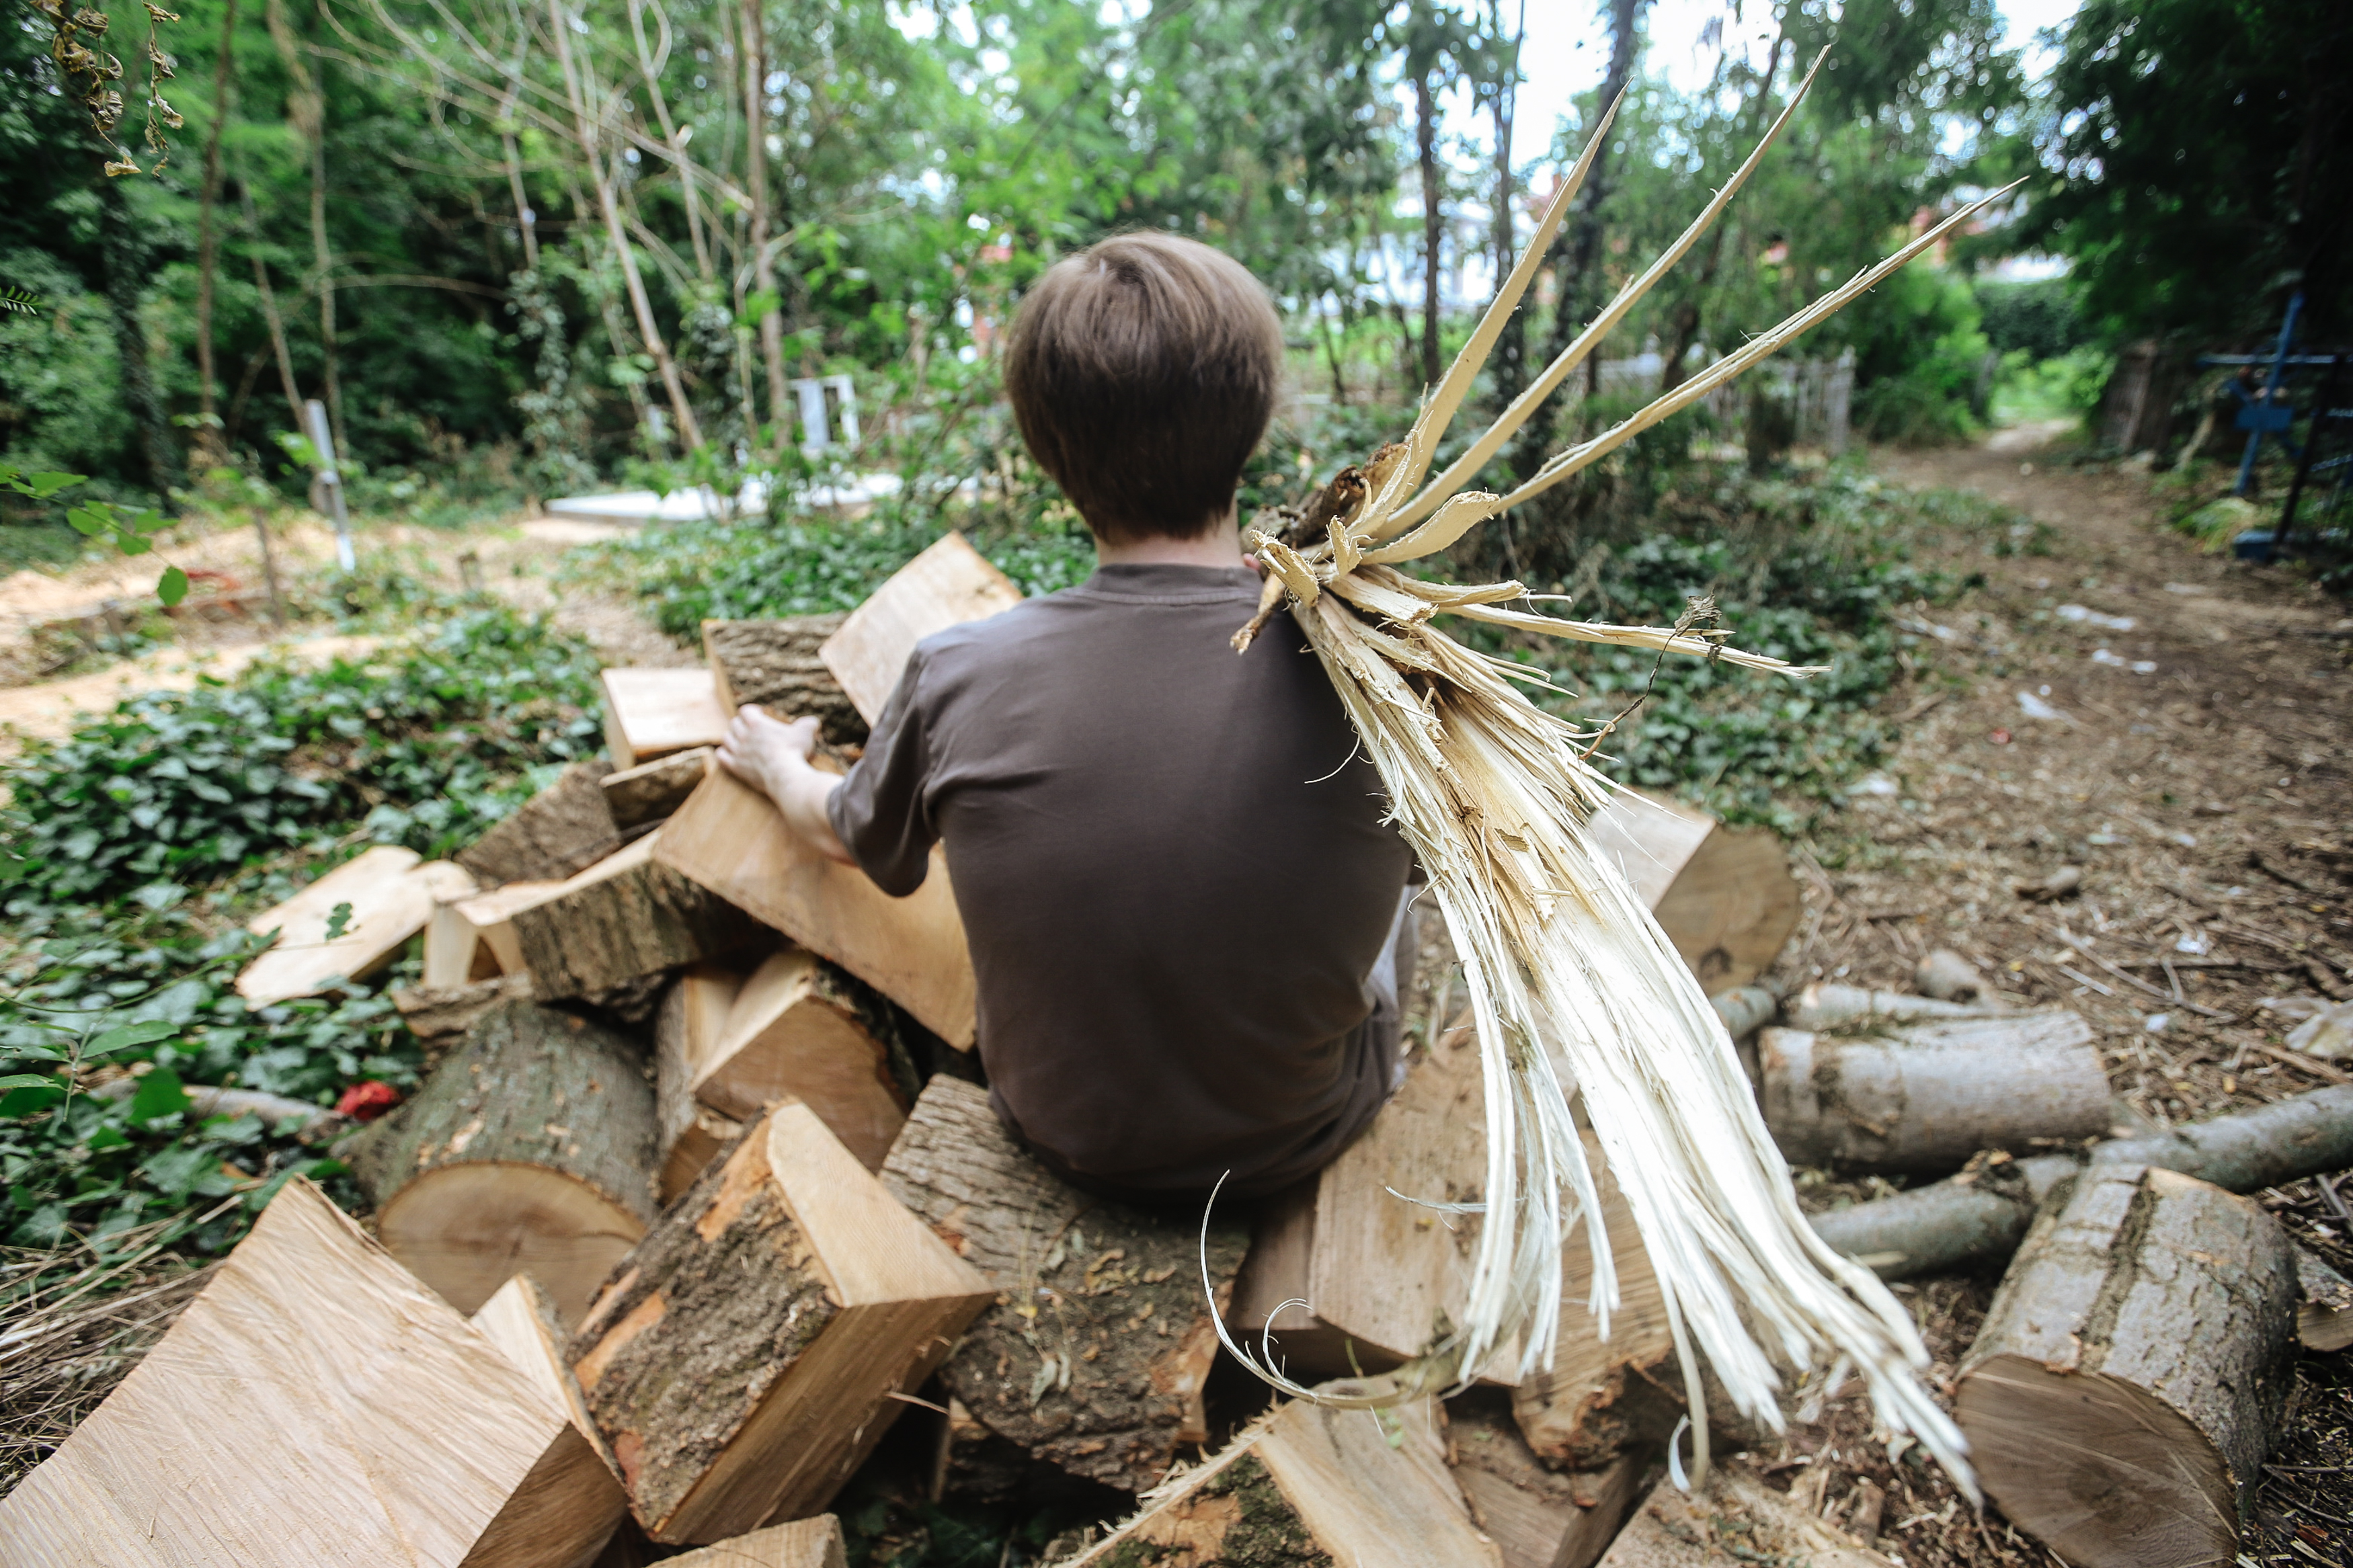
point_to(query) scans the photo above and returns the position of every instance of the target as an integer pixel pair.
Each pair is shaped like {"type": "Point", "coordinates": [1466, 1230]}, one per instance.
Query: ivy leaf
{"type": "Point", "coordinates": [27, 1101]}
{"type": "Point", "coordinates": [339, 920]}
{"type": "Point", "coordinates": [160, 1094]}
{"type": "Point", "coordinates": [27, 1081]}
{"type": "Point", "coordinates": [89, 521]}
{"type": "Point", "coordinates": [174, 587]}
{"type": "Point", "coordinates": [122, 1040]}
{"type": "Point", "coordinates": [44, 486]}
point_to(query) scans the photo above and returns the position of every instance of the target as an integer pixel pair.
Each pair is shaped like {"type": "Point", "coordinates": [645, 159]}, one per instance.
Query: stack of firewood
{"type": "Point", "coordinates": [704, 1194]}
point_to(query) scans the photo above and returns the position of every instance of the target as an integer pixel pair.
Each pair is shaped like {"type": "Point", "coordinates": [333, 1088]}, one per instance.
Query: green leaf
{"type": "Point", "coordinates": [107, 1138]}
{"type": "Point", "coordinates": [27, 1081]}
{"type": "Point", "coordinates": [27, 1101]}
{"type": "Point", "coordinates": [90, 521]}
{"type": "Point", "coordinates": [159, 1094]}
{"type": "Point", "coordinates": [44, 486]}
{"type": "Point", "coordinates": [145, 1033]}
{"type": "Point", "coordinates": [173, 585]}
{"type": "Point", "coordinates": [339, 920]}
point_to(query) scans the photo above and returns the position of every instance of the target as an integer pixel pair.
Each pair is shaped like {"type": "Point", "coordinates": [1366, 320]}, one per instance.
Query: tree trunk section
{"type": "Point", "coordinates": [652, 792]}
{"type": "Point", "coordinates": [2125, 1388]}
{"type": "Point", "coordinates": [1724, 895]}
{"type": "Point", "coordinates": [740, 1361]}
{"type": "Point", "coordinates": [563, 830]}
{"type": "Point", "coordinates": [530, 1149]}
{"type": "Point", "coordinates": [1928, 1098]}
{"type": "Point", "coordinates": [1094, 1355]}
{"type": "Point", "coordinates": [209, 430]}
{"type": "Point", "coordinates": [686, 1031]}
{"type": "Point", "coordinates": [775, 665]}
{"type": "Point", "coordinates": [625, 918]}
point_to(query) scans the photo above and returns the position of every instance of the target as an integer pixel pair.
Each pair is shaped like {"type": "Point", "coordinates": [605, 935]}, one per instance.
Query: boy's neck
{"type": "Point", "coordinates": [1221, 546]}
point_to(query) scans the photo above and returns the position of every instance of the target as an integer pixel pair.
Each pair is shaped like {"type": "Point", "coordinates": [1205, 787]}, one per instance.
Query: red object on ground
{"type": "Point", "coordinates": [2000, 737]}
{"type": "Point", "coordinates": [366, 1102]}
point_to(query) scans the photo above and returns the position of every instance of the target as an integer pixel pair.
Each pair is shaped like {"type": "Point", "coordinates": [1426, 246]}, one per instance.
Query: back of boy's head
{"type": "Point", "coordinates": [1142, 372]}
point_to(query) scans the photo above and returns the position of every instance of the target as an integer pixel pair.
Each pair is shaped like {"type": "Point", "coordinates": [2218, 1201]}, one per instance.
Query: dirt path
{"type": "Point", "coordinates": [2192, 767]}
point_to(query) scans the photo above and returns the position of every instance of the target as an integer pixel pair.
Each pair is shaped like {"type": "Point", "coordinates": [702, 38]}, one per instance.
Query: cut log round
{"type": "Point", "coordinates": [1094, 1355]}
{"type": "Point", "coordinates": [776, 664]}
{"type": "Point", "coordinates": [802, 1029]}
{"type": "Point", "coordinates": [686, 1031]}
{"type": "Point", "coordinates": [743, 1360]}
{"type": "Point", "coordinates": [564, 829]}
{"type": "Point", "coordinates": [529, 1150]}
{"type": "Point", "coordinates": [1927, 1098]}
{"type": "Point", "coordinates": [623, 919]}
{"type": "Point", "coordinates": [652, 791]}
{"type": "Point", "coordinates": [2124, 1390]}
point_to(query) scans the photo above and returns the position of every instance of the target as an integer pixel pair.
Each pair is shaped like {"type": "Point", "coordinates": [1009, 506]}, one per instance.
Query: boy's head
{"type": "Point", "coordinates": [1142, 372]}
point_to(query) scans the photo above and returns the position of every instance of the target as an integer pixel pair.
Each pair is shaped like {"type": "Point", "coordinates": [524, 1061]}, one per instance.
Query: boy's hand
{"type": "Point", "coordinates": [773, 757]}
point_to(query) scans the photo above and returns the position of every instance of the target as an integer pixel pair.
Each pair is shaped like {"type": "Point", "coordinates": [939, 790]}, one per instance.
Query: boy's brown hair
{"type": "Point", "coordinates": [1142, 372]}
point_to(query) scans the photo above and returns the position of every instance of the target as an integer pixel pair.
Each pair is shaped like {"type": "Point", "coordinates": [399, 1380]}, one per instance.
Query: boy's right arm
{"type": "Point", "coordinates": [774, 757]}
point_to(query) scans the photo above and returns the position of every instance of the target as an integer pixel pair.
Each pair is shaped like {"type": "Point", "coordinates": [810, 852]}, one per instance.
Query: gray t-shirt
{"type": "Point", "coordinates": [1173, 871]}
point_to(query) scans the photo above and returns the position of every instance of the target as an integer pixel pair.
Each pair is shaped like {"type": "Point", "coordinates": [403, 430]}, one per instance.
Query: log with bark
{"type": "Point", "coordinates": [728, 837]}
{"type": "Point", "coordinates": [777, 665]}
{"type": "Point", "coordinates": [625, 918]}
{"type": "Point", "coordinates": [530, 1149]}
{"type": "Point", "coordinates": [1094, 1354]}
{"type": "Point", "coordinates": [948, 585]}
{"type": "Point", "coordinates": [1928, 1096]}
{"type": "Point", "coordinates": [438, 1013]}
{"type": "Point", "coordinates": [1853, 1009]}
{"type": "Point", "coordinates": [384, 897]}
{"type": "Point", "coordinates": [1722, 895]}
{"type": "Point", "coordinates": [1948, 977]}
{"type": "Point", "coordinates": [651, 713]}
{"type": "Point", "coordinates": [2125, 1388]}
{"type": "Point", "coordinates": [1312, 1487]}
{"type": "Point", "coordinates": [1539, 1517]}
{"type": "Point", "coordinates": [652, 790]}
{"type": "Point", "coordinates": [1738, 1521]}
{"type": "Point", "coordinates": [802, 1029]}
{"type": "Point", "coordinates": [804, 1543]}
{"type": "Point", "coordinates": [316, 1405]}
{"type": "Point", "coordinates": [744, 1358]}
{"type": "Point", "coordinates": [686, 1031]}
{"type": "Point", "coordinates": [2324, 1313]}
{"type": "Point", "coordinates": [1982, 1214]}
{"type": "Point", "coordinates": [489, 921]}
{"type": "Point", "coordinates": [564, 829]}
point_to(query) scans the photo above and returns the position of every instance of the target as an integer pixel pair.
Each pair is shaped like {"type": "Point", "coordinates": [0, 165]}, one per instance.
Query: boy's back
{"type": "Point", "coordinates": [1172, 868]}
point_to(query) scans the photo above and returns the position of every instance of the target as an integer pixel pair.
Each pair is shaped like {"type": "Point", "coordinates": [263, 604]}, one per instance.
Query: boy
{"type": "Point", "coordinates": [1185, 909]}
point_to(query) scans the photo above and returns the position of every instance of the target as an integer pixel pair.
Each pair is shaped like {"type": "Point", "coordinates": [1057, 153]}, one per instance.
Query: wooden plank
{"type": "Point", "coordinates": [946, 585]}
{"type": "Point", "coordinates": [743, 1360]}
{"type": "Point", "coordinates": [729, 837]}
{"type": "Point", "coordinates": [801, 1029]}
{"type": "Point", "coordinates": [316, 1407]}
{"type": "Point", "coordinates": [392, 897]}
{"type": "Point", "coordinates": [652, 791]}
{"type": "Point", "coordinates": [1722, 895]}
{"type": "Point", "coordinates": [651, 713]}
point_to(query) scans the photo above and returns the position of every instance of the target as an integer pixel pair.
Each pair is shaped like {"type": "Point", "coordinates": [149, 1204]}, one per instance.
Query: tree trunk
{"type": "Point", "coordinates": [801, 1029]}
{"type": "Point", "coordinates": [1510, 363]}
{"type": "Point", "coordinates": [1432, 226]}
{"type": "Point", "coordinates": [651, 792]}
{"type": "Point", "coordinates": [686, 1032]}
{"type": "Point", "coordinates": [530, 1149]}
{"type": "Point", "coordinates": [777, 665]}
{"type": "Point", "coordinates": [1312, 1487]}
{"type": "Point", "coordinates": [1094, 1356]}
{"type": "Point", "coordinates": [1929, 1096]}
{"type": "Point", "coordinates": [625, 918]}
{"type": "Point", "coordinates": [2124, 1390]}
{"type": "Point", "coordinates": [1981, 1214]}
{"type": "Point", "coordinates": [126, 266]}
{"type": "Point", "coordinates": [741, 1361]}
{"type": "Point", "coordinates": [269, 314]}
{"type": "Point", "coordinates": [209, 431]}
{"type": "Point", "coordinates": [564, 829]}
{"type": "Point", "coordinates": [756, 174]}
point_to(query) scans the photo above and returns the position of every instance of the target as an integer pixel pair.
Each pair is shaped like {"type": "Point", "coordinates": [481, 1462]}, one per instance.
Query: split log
{"type": "Point", "coordinates": [1095, 1353]}
{"type": "Point", "coordinates": [652, 791]}
{"type": "Point", "coordinates": [391, 897]}
{"type": "Point", "coordinates": [626, 916]}
{"type": "Point", "coordinates": [777, 665]}
{"type": "Point", "coordinates": [1540, 1517]}
{"type": "Point", "coordinates": [728, 837]}
{"type": "Point", "coordinates": [1722, 895]}
{"type": "Point", "coordinates": [742, 1359]}
{"type": "Point", "coordinates": [1927, 1098]}
{"type": "Point", "coordinates": [804, 1543]}
{"type": "Point", "coordinates": [1853, 1009]}
{"type": "Point", "coordinates": [2324, 1314]}
{"type": "Point", "coordinates": [2125, 1387]}
{"type": "Point", "coordinates": [1982, 1215]}
{"type": "Point", "coordinates": [1948, 977]}
{"type": "Point", "coordinates": [564, 829]}
{"type": "Point", "coordinates": [651, 713]}
{"type": "Point", "coordinates": [438, 1013]}
{"type": "Point", "coordinates": [532, 1149]}
{"type": "Point", "coordinates": [492, 918]}
{"type": "Point", "coordinates": [454, 952]}
{"type": "Point", "coordinates": [1383, 1276]}
{"type": "Point", "coordinates": [1738, 1522]}
{"type": "Point", "coordinates": [801, 1029]}
{"type": "Point", "coordinates": [686, 1031]}
{"type": "Point", "coordinates": [946, 585]}
{"type": "Point", "coordinates": [1311, 1485]}
{"type": "Point", "coordinates": [316, 1405]}
{"type": "Point", "coordinates": [521, 1320]}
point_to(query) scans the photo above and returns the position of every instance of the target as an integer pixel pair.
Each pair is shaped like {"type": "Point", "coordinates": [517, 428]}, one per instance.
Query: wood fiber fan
{"type": "Point", "coordinates": [1572, 983]}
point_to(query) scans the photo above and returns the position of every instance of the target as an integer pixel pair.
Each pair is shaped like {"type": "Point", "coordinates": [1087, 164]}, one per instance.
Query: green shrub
{"type": "Point", "coordinates": [2039, 320]}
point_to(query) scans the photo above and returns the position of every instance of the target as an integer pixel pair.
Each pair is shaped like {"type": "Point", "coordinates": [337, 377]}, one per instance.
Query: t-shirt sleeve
{"type": "Point", "coordinates": [880, 813]}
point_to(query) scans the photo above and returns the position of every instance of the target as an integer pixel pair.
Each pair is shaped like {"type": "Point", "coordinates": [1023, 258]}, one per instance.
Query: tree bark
{"type": "Point", "coordinates": [269, 314]}
{"type": "Point", "coordinates": [531, 1148]}
{"type": "Point", "coordinates": [777, 665]}
{"type": "Point", "coordinates": [651, 792]}
{"type": "Point", "coordinates": [2124, 1390]}
{"type": "Point", "coordinates": [1510, 361]}
{"type": "Point", "coordinates": [1094, 1356]}
{"type": "Point", "coordinates": [208, 433]}
{"type": "Point", "coordinates": [1927, 1098]}
{"type": "Point", "coordinates": [625, 918]}
{"type": "Point", "coordinates": [564, 829]}
{"type": "Point", "coordinates": [1425, 134]}
{"type": "Point", "coordinates": [126, 265]}
{"type": "Point", "coordinates": [755, 175]}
